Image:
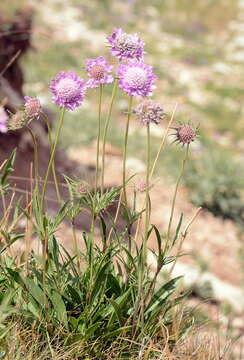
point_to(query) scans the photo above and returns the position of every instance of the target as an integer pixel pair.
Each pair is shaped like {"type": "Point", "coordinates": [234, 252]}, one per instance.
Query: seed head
{"type": "Point", "coordinates": [17, 121]}
{"type": "Point", "coordinates": [185, 134]}
{"type": "Point", "coordinates": [149, 111]}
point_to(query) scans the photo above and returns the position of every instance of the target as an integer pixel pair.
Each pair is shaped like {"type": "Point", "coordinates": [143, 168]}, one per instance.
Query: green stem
{"type": "Point", "coordinates": [125, 147]}
{"type": "Point", "coordinates": [106, 131]}
{"type": "Point", "coordinates": [163, 141]}
{"type": "Point", "coordinates": [98, 135]}
{"type": "Point", "coordinates": [36, 159]}
{"type": "Point", "coordinates": [91, 255]}
{"type": "Point", "coordinates": [147, 212]}
{"type": "Point", "coordinates": [140, 306]}
{"type": "Point", "coordinates": [53, 164]}
{"type": "Point", "coordinates": [60, 124]}
{"type": "Point", "coordinates": [174, 196]}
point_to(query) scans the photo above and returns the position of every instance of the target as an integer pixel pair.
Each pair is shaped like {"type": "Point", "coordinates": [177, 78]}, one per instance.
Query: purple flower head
{"type": "Point", "coordinates": [136, 78]}
{"type": "Point", "coordinates": [126, 46]}
{"type": "Point", "coordinates": [68, 90]}
{"type": "Point", "coordinates": [3, 120]}
{"type": "Point", "coordinates": [32, 107]}
{"type": "Point", "coordinates": [98, 70]}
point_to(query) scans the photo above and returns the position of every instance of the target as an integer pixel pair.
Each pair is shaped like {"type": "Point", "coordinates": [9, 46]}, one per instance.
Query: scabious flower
{"type": "Point", "coordinates": [185, 134]}
{"type": "Point", "coordinates": [3, 120]}
{"type": "Point", "coordinates": [136, 78]}
{"type": "Point", "coordinates": [32, 107]}
{"type": "Point", "coordinates": [68, 90]}
{"type": "Point", "coordinates": [149, 111]}
{"type": "Point", "coordinates": [126, 46]}
{"type": "Point", "coordinates": [98, 70]}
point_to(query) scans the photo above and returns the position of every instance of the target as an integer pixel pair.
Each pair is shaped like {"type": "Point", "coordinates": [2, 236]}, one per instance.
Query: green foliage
{"type": "Point", "coordinates": [84, 306]}
{"type": "Point", "coordinates": [98, 302]}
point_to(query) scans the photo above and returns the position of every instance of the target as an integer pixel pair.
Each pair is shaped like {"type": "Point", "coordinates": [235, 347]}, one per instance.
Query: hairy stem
{"type": "Point", "coordinates": [163, 141]}
{"type": "Point", "coordinates": [125, 147]}
{"type": "Point", "coordinates": [53, 164]}
{"type": "Point", "coordinates": [36, 159]}
{"type": "Point", "coordinates": [174, 196]}
{"type": "Point", "coordinates": [106, 131]}
{"type": "Point", "coordinates": [60, 124]}
{"type": "Point", "coordinates": [98, 135]}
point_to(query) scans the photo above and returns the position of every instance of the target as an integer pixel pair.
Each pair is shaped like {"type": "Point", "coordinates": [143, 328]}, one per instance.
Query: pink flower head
{"type": "Point", "coordinates": [32, 107]}
{"type": "Point", "coordinates": [3, 120]}
{"type": "Point", "coordinates": [68, 90]}
{"type": "Point", "coordinates": [136, 78]}
{"type": "Point", "coordinates": [98, 70]}
{"type": "Point", "coordinates": [126, 46]}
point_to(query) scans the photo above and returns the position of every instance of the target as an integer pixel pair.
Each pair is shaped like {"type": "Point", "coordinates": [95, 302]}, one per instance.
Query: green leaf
{"type": "Point", "coordinates": [116, 332]}
{"type": "Point", "coordinates": [177, 230]}
{"type": "Point", "coordinates": [59, 307]}
{"type": "Point", "coordinates": [7, 169]}
{"type": "Point", "coordinates": [162, 294]}
{"type": "Point", "coordinates": [35, 291]}
{"type": "Point", "coordinates": [116, 311]}
{"type": "Point", "coordinates": [90, 331]}
{"type": "Point", "coordinates": [158, 237]}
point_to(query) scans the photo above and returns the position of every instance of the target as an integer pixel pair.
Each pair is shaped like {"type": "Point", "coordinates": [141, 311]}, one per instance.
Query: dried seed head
{"type": "Point", "coordinates": [185, 134]}
{"type": "Point", "coordinates": [17, 121]}
{"type": "Point", "coordinates": [149, 111]}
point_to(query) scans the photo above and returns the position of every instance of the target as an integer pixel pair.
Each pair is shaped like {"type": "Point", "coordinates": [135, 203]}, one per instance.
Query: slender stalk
{"type": "Point", "coordinates": [106, 131]}
{"type": "Point", "coordinates": [125, 147]}
{"type": "Point", "coordinates": [163, 140]}
{"type": "Point", "coordinates": [147, 212]}
{"type": "Point", "coordinates": [98, 135]}
{"type": "Point", "coordinates": [36, 158]}
{"type": "Point", "coordinates": [143, 260]}
{"type": "Point", "coordinates": [91, 255]}
{"type": "Point", "coordinates": [53, 164]}
{"type": "Point", "coordinates": [60, 124]}
{"type": "Point", "coordinates": [175, 194]}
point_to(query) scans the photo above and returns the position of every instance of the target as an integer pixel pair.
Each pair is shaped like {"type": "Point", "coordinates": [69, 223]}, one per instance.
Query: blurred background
{"type": "Point", "coordinates": [197, 51]}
